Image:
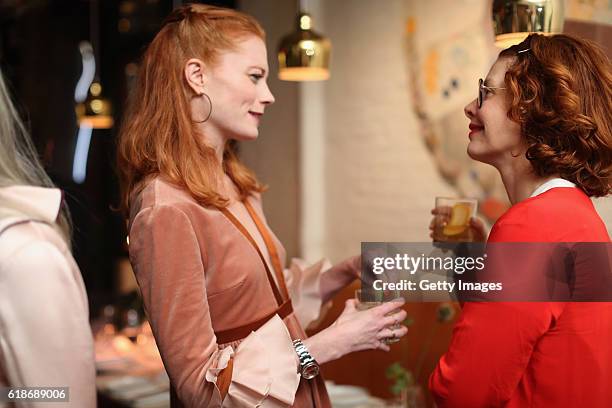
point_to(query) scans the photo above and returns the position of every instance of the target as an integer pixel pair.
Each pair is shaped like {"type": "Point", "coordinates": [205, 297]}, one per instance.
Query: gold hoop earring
{"type": "Point", "coordinates": [210, 110]}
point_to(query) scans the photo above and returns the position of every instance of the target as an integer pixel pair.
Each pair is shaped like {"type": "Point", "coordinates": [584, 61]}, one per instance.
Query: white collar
{"type": "Point", "coordinates": [37, 203]}
{"type": "Point", "coordinates": [553, 183]}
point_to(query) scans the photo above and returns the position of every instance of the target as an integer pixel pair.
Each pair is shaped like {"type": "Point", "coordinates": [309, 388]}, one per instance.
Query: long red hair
{"type": "Point", "coordinates": [158, 136]}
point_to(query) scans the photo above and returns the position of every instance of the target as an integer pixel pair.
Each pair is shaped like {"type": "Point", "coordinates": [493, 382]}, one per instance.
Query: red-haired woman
{"type": "Point", "coordinates": [227, 318]}
{"type": "Point", "coordinates": [543, 118]}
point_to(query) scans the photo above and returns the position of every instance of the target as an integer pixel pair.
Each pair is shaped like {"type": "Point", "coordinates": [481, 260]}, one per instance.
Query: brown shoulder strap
{"type": "Point", "coordinates": [240, 332]}
{"type": "Point", "coordinates": [243, 230]}
{"type": "Point", "coordinates": [276, 261]}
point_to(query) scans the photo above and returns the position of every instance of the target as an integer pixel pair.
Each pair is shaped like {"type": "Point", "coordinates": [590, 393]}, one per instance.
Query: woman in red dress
{"type": "Point", "coordinates": [543, 118]}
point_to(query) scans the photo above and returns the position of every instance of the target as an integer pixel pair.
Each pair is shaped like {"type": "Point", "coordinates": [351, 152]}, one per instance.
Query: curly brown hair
{"type": "Point", "coordinates": [560, 91]}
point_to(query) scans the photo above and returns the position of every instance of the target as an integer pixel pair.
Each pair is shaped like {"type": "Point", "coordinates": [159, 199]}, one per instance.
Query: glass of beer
{"type": "Point", "coordinates": [452, 223]}
{"type": "Point", "coordinates": [367, 299]}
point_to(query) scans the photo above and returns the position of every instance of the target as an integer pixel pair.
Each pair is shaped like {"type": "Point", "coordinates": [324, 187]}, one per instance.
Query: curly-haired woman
{"type": "Point", "coordinates": [543, 119]}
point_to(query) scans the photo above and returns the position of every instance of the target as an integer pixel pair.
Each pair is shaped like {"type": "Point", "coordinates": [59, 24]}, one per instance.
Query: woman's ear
{"type": "Point", "coordinates": [195, 75]}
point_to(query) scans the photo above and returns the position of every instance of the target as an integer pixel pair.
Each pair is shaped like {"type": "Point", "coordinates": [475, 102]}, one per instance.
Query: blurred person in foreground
{"type": "Point", "coordinates": [45, 337]}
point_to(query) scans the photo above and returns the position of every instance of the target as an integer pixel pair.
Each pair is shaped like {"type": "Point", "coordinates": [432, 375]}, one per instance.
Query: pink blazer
{"type": "Point", "coordinates": [199, 275]}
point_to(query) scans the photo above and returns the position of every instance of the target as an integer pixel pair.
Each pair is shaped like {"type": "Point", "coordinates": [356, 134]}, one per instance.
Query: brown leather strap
{"type": "Point", "coordinates": [240, 332]}
{"type": "Point", "coordinates": [276, 262]}
{"type": "Point", "coordinates": [227, 336]}
{"type": "Point", "coordinates": [284, 309]}
{"type": "Point", "coordinates": [243, 230]}
{"type": "Point", "coordinates": [224, 379]}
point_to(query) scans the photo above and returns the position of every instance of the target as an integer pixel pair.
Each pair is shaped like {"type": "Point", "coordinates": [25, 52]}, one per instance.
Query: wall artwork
{"type": "Point", "coordinates": [450, 46]}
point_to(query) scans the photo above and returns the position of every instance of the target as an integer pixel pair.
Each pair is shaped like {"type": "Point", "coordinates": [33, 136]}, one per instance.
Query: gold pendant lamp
{"type": "Point", "coordinates": [514, 20]}
{"type": "Point", "coordinates": [304, 54]}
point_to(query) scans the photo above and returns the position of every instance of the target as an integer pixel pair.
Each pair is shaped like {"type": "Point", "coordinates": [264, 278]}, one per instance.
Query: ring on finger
{"type": "Point", "coordinates": [389, 339]}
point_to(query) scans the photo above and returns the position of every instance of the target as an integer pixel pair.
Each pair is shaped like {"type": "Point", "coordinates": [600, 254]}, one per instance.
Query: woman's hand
{"type": "Point", "coordinates": [356, 330]}
{"type": "Point", "coordinates": [441, 216]}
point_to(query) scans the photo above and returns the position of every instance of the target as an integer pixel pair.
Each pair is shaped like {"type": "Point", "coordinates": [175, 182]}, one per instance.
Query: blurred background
{"type": "Point", "coordinates": [357, 157]}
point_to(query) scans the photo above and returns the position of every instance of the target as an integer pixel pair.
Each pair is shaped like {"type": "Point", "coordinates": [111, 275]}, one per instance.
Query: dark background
{"type": "Point", "coordinates": [41, 62]}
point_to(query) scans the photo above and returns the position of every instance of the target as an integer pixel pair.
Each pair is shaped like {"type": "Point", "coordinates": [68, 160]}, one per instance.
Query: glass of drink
{"type": "Point", "coordinates": [452, 223]}
{"type": "Point", "coordinates": [367, 299]}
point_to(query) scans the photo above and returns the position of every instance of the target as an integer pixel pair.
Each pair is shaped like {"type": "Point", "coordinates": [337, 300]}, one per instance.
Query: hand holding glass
{"type": "Point", "coordinates": [451, 221]}
{"type": "Point", "coordinates": [372, 298]}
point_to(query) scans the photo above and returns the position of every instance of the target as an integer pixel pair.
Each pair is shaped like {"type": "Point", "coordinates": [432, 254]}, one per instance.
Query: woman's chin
{"type": "Point", "coordinates": [246, 136]}
{"type": "Point", "coordinates": [476, 153]}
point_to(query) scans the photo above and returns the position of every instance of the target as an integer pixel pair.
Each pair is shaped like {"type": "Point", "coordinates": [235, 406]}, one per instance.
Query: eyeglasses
{"type": "Point", "coordinates": [482, 91]}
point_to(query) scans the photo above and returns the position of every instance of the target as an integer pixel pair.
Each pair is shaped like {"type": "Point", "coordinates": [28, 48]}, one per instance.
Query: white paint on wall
{"type": "Point", "coordinates": [362, 172]}
{"type": "Point", "coordinates": [604, 208]}
{"type": "Point", "coordinates": [312, 143]}
{"type": "Point", "coordinates": [380, 179]}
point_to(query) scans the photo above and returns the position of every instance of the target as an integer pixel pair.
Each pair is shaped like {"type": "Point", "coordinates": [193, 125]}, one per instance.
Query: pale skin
{"type": "Point", "coordinates": [236, 85]}
{"type": "Point", "coordinates": [496, 140]}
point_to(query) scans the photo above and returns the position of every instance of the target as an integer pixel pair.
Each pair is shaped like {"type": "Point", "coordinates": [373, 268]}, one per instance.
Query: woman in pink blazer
{"type": "Point", "coordinates": [228, 317]}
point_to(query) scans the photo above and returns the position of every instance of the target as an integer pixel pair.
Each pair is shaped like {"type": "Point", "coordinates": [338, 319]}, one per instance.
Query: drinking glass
{"type": "Point", "coordinates": [452, 224]}
{"type": "Point", "coordinates": [367, 299]}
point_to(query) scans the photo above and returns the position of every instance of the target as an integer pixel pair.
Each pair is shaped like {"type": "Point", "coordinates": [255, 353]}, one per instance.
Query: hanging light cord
{"type": "Point", "coordinates": [94, 34]}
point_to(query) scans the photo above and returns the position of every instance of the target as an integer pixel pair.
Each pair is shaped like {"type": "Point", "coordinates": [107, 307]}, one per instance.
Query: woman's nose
{"type": "Point", "coordinates": [470, 109]}
{"type": "Point", "coordinates": [267, 97]}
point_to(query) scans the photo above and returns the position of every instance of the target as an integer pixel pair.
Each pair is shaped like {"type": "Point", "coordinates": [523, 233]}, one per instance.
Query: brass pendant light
{"type": "Point", "coordinates": [96, 110]}
{"type": "Point", "coordinates": [514, 20]}
{"type": "Point", "coordinates": [304, 54]}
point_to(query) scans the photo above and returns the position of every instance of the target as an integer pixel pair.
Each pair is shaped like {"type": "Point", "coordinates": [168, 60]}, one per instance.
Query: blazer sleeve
{"type": "Point", "coordinates": [45, 338]}
{"type": "Point", "coordinates": [305, 283]}
{"type": "Point", "coordinates": [493, 341]}
{"type": "Point", "coordinates": [170, 270]}
{"type": "Point", "coordinates": [490, 348]}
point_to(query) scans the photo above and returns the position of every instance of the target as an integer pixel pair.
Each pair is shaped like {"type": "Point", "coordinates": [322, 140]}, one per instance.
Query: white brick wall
{"type": "Point", "coordinates": [380, 181]}
{"type": "Point", "coordinates": [362, 172]}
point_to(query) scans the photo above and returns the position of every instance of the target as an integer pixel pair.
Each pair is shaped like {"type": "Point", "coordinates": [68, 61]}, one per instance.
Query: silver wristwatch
{"type": "Point", "coordinates": [309, 368]}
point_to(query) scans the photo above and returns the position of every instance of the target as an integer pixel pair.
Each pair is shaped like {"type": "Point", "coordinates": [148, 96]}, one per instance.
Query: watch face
{"type": "Point", "coordinates": [310, 371]}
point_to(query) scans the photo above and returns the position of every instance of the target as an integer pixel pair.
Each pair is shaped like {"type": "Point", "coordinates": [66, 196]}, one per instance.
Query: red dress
{"type": "Point", "coordinates": [533, 354]}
